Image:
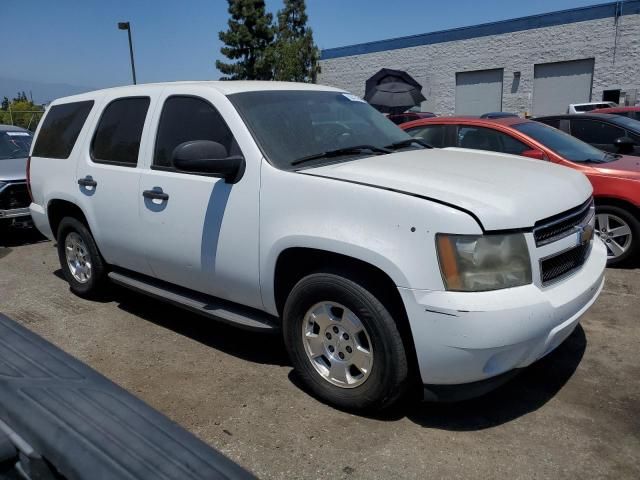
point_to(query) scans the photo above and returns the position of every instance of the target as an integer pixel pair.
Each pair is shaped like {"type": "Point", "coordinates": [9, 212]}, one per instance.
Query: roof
{"type": "Point", "coordinates": [582, 14]}
{"type": "Point", "coordinates": [616, 109]}
{"type": "Point", "coordinates": [226, 87]}
{"type": "Point", "coordinates": [591, 115]}
{"type": "Point", "coordinates": [466, 120]}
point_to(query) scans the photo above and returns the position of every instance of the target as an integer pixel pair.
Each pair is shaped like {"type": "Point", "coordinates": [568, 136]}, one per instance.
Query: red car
{"type": "Point", "coordinates": [631, 112]}
{"type": "Point", "coordinates": [615, 178]}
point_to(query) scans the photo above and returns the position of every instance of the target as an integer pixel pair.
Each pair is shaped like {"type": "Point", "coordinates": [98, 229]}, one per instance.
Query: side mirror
{"type": "Point", "coordinates": [624, 144]}
{"type": "Point", "coordinates": [204, 157]}
{"type": "Point", "coordinates": [537, 154]}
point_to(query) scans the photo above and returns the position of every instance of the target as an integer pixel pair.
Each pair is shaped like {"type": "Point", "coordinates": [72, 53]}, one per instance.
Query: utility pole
{"type": "Point", "coordinates": [127, 26]}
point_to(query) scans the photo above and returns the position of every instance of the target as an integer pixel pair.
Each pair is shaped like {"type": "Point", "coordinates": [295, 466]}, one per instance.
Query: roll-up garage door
{"type": "Point", "coordinates": [556, 85]}
{"type": "Point", "coordinates": [479, 92]}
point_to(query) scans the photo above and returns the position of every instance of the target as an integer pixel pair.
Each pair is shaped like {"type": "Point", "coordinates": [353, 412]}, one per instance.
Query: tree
{"type": "Point", "coordinates": [295, 54]}
{"type": "Point", "coordinates": [23, 112]}
{"type": "Point", "coordinates": [248, 41]}
{"type": "Point", "coordinates": [5, 104]}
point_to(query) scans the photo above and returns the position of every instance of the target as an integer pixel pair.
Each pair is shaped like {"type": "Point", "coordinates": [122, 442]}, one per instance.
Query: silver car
{"type": "Point", "coordinates": [14, 196]}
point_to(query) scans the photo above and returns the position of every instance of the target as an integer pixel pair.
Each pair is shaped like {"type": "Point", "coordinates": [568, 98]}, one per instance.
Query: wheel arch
{"type": "Point", "coordinates": [57, 209]}
{"type": "Point", "coordinates": [601, 201]}
{"type": "Point", "coordinates": [294, 263]}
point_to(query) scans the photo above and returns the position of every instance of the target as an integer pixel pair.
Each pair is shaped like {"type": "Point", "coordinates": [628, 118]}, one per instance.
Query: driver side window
{"type": "Point", "coordinates": [186, 118]}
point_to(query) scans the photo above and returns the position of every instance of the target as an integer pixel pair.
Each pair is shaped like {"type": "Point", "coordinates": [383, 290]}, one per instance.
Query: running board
{"type": "Point", "coordinates": [208, 306]}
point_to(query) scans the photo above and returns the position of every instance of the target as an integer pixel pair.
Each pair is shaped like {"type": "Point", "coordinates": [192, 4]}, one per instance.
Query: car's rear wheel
{"type": "Point", "coordinates": [81, 262]}
{"type": "Point", "coordinates": [344, 343]}
{"type": "Point", "coordinates": [620, 231]}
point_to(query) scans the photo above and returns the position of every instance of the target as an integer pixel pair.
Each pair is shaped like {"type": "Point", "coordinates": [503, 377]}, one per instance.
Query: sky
{"type": "Point", "coordinates": [77, 42]}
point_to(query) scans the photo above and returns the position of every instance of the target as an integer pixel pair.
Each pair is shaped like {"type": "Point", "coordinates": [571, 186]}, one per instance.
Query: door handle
{"type": "Point", "coordinates": [155, 194]}
{"type": "Point", "coordinates": [87, 181]}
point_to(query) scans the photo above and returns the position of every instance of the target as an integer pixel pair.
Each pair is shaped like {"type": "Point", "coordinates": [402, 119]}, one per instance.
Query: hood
{"type": "Point", "coordinates": [13, 169]}
{"type": "Point", "coordinates": [624, 167]}
{"type": "Point", "coordinates": [503, 191]}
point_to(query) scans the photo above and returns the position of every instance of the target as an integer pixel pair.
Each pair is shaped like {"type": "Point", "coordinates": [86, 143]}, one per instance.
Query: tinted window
{"type": "Point", "coordinates": [290, 125]}
{"type": "Point", "coordinates": [117, 137]}
{"type": "Point", "coordinates": [14, 144]}
{"type": "Point", "coordinates": [592, 131]}
{"type": "Point", "coordinates": [434, 135]}
{"type": "Point", "coordinates": [552, 122]}
{"type": "Point", "coordinates": [189, 118]}
{"type": "Point", "coordinates": [60, 129]}
{"type": "Point", "coordinates": [481, 138]}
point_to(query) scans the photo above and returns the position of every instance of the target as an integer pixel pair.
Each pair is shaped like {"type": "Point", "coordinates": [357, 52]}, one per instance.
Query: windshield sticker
{"type": "Point", "coordinates": [18, 134]}
{"type": "Point", "coordinates": [353, 98]}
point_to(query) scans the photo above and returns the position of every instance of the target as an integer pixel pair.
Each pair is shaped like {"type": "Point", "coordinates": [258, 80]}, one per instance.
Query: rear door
{"type": "Point", "coordinates": [482, 138]}
{"type": "Point", "coordinates": [599, 134]}
{"type": "Point", "coordinates": [203, 233]}
{"type": "Point", "coordinates": [108, 180]}
{"type": "Point", "coordinates": [438, 136]}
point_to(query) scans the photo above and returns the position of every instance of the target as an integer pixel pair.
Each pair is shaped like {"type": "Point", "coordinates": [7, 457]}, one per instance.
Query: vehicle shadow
{"type": "Point", "coordinates": [255, 347]}
{"type": "Point", "coordinates": [527, 392]}
{"type": "Point", "coordinates": [17, 237]}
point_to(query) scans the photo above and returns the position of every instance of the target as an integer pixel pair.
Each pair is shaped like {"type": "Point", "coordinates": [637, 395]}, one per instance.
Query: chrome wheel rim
{"type": "Point", "coordinates": [337, 344]}
{"type": "Point", "coordinates": [78, 259]}
{"type": "Point", "coordinates": [615, 233]}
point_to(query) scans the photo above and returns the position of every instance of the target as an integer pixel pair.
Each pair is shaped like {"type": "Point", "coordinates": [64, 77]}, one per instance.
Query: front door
{"type": "Point", "coordinates": [200, 232]}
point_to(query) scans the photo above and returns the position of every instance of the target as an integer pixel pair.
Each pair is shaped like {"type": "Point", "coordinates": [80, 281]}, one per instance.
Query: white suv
{"type": "Point", "coordinates": [299, 208]}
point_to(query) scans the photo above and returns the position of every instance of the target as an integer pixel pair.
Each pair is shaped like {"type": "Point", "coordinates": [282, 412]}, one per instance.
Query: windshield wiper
{"type": "Point", "coordinates": [341, 151]}
{"type": "Point", "coordinates": [408, 142]}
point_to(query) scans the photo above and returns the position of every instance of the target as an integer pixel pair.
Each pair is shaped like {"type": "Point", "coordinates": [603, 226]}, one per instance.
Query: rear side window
{"type": "Point", "coordinates": [60, 129]}
{"type": "Point", "coordinates": [480, 138]}
{"type": "Point", "coordinates": [189, 118]}
{"type": "Point", "coordinates": [434, 135]}
{"type": "Point", "coordinates": [117, 137]}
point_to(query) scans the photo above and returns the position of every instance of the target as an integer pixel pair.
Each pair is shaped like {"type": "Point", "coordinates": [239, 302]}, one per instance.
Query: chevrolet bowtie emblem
{"type": "Point", "coordinates": [585, 233]}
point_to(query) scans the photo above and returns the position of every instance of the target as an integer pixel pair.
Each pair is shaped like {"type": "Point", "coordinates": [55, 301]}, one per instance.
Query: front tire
{"type": "Point", "coordinates": [81, 262]}
{"type": "Point", "coordinates": [619, 229]}
{"type": "Point", "coordinates": [344, 343]}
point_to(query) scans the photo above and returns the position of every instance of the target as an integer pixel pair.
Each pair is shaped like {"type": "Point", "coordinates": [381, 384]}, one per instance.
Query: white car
{"type": "Point", "coordinates": [587, 107]}
{"type": "Point", "coordinates": [299, 208]}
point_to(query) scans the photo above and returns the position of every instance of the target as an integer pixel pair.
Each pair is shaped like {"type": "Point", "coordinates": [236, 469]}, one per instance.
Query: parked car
{"type": "Point", "coordinates": [301, 209]}
{"type": "Point", "coordinates": [399, 118]}
{"type": "Point", "coordinates": [615, 178]}
{"type": "Point", "coordinates": [631, 112]}
{"type": "Point", "coordinates": [611, 133]}
{"type": "Point", "coordinates": [14, 197]}
{"type": "Point", "coordinates": [589, 106]}
{"type": "Point", "coordinates": [498, 115]}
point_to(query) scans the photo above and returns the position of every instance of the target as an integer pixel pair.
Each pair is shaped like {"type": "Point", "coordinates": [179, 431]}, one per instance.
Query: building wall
{"type": "Point", "coordinates": [436, 64]}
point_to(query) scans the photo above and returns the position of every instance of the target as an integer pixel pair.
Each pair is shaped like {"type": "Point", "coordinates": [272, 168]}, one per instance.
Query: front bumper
{"type": "Point", "coordinates": [463, 337]}
{"type": "Point", "coordinates": [14, 213]}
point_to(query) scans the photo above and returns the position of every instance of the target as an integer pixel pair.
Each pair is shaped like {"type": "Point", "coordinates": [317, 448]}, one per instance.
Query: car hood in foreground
{"type": "Point", "coordinates": [13, 169]}
{"type": "Point", "coordinates": [626, 166]}
{"type": "Point", "coordinates": [502, 191]}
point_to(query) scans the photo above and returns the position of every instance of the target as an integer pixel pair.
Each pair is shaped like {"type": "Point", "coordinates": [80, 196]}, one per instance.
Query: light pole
{"type": "Point", "coordinates": [126, 26]}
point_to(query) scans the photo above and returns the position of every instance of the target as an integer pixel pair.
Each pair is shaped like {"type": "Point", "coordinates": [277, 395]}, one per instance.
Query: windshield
{"type": "Point", "coordinates": [14, 144]}
{"type": "Point", "coordinates": [563, 144]}
{"type": "Point", "coordinates": [294, 125]}
{"type": "Point", "coordinates": [627, 122]}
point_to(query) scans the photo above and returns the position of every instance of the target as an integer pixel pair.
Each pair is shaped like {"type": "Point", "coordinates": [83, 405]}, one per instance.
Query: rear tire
{"type": "Point", "coordinates": [81, 262]}
{"type": "Point", "coordinates": [619, 229]}
{"type": "Point", "coordinates": [327, 315]}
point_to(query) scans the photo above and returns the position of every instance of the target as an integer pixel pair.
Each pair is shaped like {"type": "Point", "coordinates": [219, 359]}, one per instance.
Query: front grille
{"type": "Point", "coordinates": [561, 225]}
{"type": "Point", "coordinates": [14, 196]}
{"type": "Point", "coordinates": [558, 266]}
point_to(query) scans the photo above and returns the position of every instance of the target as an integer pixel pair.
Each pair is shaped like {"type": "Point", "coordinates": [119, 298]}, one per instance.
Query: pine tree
{"type": "Point", "coordinates": [248, 40]}
{"type": "Point", "coordinates": [5, 104]}
{"type": "Point", "coordinates": [295, 54]}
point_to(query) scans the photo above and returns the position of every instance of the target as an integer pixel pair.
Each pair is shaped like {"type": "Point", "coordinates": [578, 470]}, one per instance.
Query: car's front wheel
{"type": "Point", "coordinates": [344, 343]}
{"type": "Point", "coordinates": [81, 262]}
{"type": "Point", "coordinates": [619, 229]}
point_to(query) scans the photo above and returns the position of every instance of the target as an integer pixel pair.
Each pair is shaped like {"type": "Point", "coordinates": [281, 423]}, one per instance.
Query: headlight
{"type": "Point", "coordinates": [475, 263]}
